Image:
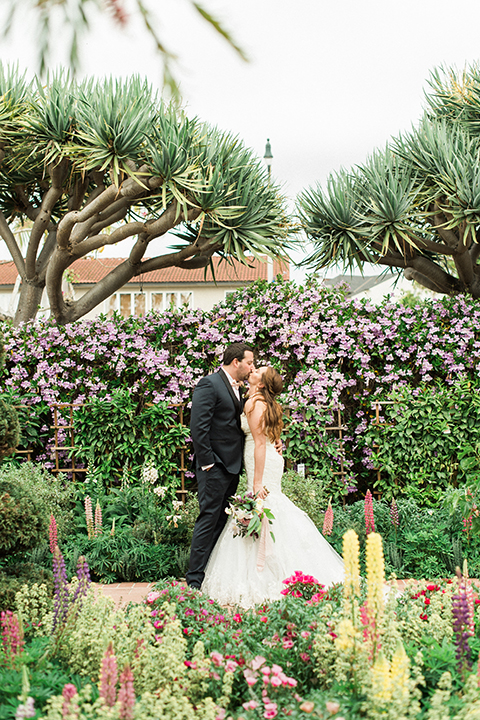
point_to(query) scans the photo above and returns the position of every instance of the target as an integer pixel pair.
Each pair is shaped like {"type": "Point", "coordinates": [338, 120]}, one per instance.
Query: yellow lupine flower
{"type": "Point", "coordinates": [400, 673]}
{"type": "Point", "coordinates": [351, 550]}
{"type": "Point", "coordinates": [346, 635]}
{"type": "Point", "coordinates": [381, 680]}
{"type": "Point", "coordinates": [375, 575]}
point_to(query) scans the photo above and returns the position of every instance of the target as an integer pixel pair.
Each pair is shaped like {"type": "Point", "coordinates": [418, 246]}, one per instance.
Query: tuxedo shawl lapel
{"type": "Point", "coordinates": [238, 403]}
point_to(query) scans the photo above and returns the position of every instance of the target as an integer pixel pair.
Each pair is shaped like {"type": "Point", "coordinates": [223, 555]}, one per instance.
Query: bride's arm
{"type": "Point", "coordinates": [254, 420]}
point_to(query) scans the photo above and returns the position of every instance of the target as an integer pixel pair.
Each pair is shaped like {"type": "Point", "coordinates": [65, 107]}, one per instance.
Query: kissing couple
{"type": "Point", "coordinates": [230, 431]}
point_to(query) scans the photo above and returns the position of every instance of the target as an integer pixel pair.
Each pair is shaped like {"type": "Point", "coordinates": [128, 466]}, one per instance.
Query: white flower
{"type": "Point", "coordinates": [160, 491]}
{"type": "Point", "coordinates": [177, 504]}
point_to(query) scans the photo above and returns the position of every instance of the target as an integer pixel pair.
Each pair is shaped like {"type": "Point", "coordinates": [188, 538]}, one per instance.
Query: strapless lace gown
{"type": "Point", "coordinates": [231, 575]}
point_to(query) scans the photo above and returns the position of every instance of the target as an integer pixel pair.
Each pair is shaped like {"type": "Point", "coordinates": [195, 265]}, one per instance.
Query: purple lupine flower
{"type": "Point", "coordinates": [394, 514]}
{"type": "Point", "coordinates": [84, 581]}
{"type": "Point", "coordinates": [61, 594]}
{"type": "Point", "coordinates": [461, 632]}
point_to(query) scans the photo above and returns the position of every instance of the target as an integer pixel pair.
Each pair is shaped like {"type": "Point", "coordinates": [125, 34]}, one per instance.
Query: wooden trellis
{"type": "Point", "coordinates": [377, 406]}
{"type": "Point", "coordinates": [60, 448]}
{"type": "Point", "coordinates": [340, 428]}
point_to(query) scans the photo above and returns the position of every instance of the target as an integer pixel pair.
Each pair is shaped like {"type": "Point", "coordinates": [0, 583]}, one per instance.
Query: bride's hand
{"type": "Point", "coordinates": [262, 493]}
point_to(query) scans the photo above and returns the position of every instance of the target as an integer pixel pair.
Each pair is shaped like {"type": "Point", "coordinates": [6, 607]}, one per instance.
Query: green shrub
{"type": "Point", "coordinates": [51, 495]}
{"type": "Point", "coordinates": [121, 557]}
{"type": "Point", "coordinates": [23, 518]}
{"type": "Point", "coordinates": [9, 429]}
{"type": "Point", "coordinates": [19, 575]}
{"type": "Point", "coordinates": [428, 543]}
{"type": "Point", "coordinates": [118, 434]}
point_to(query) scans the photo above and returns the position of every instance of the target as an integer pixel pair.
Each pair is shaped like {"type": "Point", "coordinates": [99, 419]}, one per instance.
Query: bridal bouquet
{"type": "Point", "coordinates": [248, 513]}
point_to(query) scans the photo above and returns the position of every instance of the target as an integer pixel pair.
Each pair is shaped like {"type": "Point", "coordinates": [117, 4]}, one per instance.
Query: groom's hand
{"type": "Point", "coordinates": [279, 447]}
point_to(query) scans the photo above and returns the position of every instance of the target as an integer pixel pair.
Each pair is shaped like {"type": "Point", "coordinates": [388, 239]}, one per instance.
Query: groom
{"type": "Point", "coordinates": [218, 445]}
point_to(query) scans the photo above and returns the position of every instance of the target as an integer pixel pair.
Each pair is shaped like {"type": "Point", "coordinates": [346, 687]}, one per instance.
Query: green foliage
{"type": "Point", "coordinates": [307, 440]}
{"type": "Point", "coordinates": [51, 494]}
{"type": "Point", "coordinates": [24, 522]}
{"type": "Point", "coordinates": [14, 578]}
{"type": "Point", "coordinates": [9, 429]}
{"type": "Point", "coordinates": [116, 435]}
{"type": "Point", "coordinates": [428, 543]}
{"type": "Point", "coordinates": [426, 440]}
{"type": "Point", "coordinates": [46, 678]}
{"type": "Point", "coordinates": [121, 557]}
{"type": "Point", "coordinates": [308, 492]}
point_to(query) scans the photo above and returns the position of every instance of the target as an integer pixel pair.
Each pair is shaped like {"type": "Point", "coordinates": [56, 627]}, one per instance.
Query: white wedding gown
{"type": "Point", "coordinates": [231, 575]}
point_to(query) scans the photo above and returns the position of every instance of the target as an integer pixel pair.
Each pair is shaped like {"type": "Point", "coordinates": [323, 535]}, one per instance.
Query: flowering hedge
{"type": "Point", "coordinates": [330, 349]}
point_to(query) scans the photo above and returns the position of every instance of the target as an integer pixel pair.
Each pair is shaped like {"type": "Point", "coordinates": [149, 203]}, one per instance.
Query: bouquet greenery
{"type": "Point", "coordinates": [248, 512]}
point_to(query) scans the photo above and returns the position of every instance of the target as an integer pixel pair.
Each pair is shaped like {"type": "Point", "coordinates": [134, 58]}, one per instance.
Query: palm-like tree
{"type": "Point", "coordinates": [90, 164]}
{"type": "Point", "coordinates": [415, 206]}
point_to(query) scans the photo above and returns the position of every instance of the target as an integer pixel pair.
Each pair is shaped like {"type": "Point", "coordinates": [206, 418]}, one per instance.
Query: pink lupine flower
{"type": "Point", "coordinates": [52, 531]}
{"type": "Point", "coordinates": [12, 636]}
{"type": "Point", "coordinates": [369, 521]}
{"type": "Point", "coordinates": [108, 676]}
{"type": "Point", "coordinates": [126, 694]}
{"type": "Point", "coordinates": [68, 693]}
{"type": "Point", "coordinates": [89, 517]}
{"type": "Point", "coordinates": [328, 520]}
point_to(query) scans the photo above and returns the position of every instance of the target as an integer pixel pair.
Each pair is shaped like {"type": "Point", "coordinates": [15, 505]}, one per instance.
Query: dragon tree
{"type": "Point", "coordinates": [85, 165]}
{"type": "Point", "coordinates": [414, 207]}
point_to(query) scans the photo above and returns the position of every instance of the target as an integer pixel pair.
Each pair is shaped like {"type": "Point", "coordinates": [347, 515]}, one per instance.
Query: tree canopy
{"type": "Point", "coordinates": [414, 206]}
{"type": "Point", "coordinates": [90, 164]}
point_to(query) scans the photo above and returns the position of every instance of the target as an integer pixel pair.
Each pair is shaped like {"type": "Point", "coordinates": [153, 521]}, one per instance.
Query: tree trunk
{"type": "Point", "coordinates": [28, 303]}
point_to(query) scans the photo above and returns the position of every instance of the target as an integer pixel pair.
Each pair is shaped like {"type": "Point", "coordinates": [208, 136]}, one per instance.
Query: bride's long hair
{"type": "Point", "coordinates": [272, 419]}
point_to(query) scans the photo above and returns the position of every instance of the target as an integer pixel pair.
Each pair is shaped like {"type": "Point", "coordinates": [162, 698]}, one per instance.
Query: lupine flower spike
{"type": "Point", "coordinates": [61, 594]}
{"type": "Point", "coordinates": [68, 693]}
{"type": "Point", "coordinates": [12, 636]}
{"type": "Point", "coordinates": [53, 534]}
{"type": "Point", "coordinates": [98, 519]}
{"type": "Point", "coordinates": [351, 549]}
{"type": "Point", "coordinates": [126, 694]}
{"type": "Point", "coordinates": [394, 514]}
{"type": "Point", "coordinates": [89, 518]}
{"type": "Point", "coordinates": [369, 521]}
{"type": "Point", "coordinates": [108, 677]}
{"type": "Point", "coordinates": [328, 520]}
{"type": "Point", "coordinates": [461, 632]}
{"type": "Point", "coordinates": [375, 589]}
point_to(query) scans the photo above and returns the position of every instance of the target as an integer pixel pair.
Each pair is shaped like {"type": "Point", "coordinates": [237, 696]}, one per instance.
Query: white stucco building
{"type": "Point", "coordinates": [156, 290]}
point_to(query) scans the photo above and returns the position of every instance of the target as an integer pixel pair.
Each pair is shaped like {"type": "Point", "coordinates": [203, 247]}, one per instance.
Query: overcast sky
{"type": "Point", "coordinates": [327, 82]}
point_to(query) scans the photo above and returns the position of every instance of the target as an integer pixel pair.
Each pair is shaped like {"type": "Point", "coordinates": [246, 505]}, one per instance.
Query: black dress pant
{"type": "Point", "coordinates": [215, 486]}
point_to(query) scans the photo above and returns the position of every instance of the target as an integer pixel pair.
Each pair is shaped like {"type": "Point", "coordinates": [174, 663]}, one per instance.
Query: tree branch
{"type": "Point", "coordinates": [12, 245]}
{"type": "Point", "coordinates": [42, 220]}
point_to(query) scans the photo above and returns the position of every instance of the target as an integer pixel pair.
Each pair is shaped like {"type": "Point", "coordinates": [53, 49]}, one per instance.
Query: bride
{"type": "Point", "coordinates": [234, 575]}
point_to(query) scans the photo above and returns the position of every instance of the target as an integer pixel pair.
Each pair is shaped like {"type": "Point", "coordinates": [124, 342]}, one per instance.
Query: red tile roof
{"type": "Point", "coordinates": [91, 270]}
